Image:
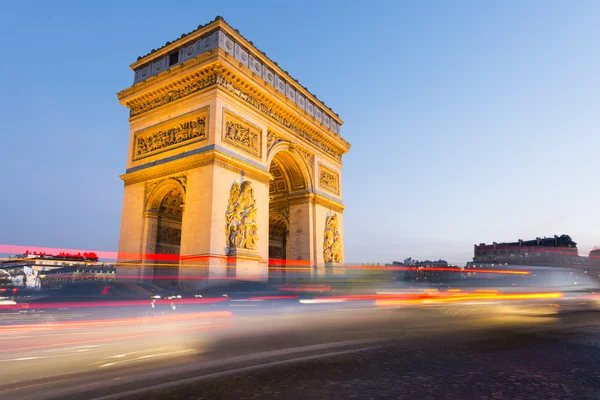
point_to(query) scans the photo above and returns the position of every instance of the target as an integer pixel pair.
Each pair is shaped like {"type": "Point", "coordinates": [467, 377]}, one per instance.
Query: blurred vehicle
{"type": "Point", "coordinates": [161, 292]}
{"type": "Point", "coordinates": [250, 291]}
{"type": "Point", "coordinates": [531, 291]}
{"type": "Point", "coordinates": [90, 297]}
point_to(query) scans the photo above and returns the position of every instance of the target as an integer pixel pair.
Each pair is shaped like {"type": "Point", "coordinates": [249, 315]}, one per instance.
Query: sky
{"type": "Point", "coordinates": [470, 121]}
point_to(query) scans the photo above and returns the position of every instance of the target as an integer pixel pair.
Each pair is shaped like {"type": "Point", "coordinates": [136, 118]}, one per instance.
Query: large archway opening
{"type": "Point", "coordinates": [288, 219]}
{"type": "Point", "coordinates": [168, 237]}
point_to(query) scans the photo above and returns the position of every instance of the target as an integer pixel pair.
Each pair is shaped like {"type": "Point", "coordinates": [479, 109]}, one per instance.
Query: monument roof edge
{"type": "Point", "coordinates": [219, 22]}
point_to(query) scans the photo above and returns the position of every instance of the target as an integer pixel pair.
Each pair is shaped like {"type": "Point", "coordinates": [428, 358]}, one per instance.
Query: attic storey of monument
{"type": "Point", "coordinates": [252, 161]}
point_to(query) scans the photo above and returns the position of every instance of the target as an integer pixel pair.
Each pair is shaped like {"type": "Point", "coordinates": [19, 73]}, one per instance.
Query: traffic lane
{"type": "Point", "coordinates": [69, 347]}
{"type": "Point", "coordinates": [34, 352]}
{"type": "Point", "coordinates": [70, 361]}
{"type": "Point", "coordinates": [461, 366]}
{"type": "Point", "coordinates": [373, 327]}
{"type": "Point", "coordinates": [245, 335]}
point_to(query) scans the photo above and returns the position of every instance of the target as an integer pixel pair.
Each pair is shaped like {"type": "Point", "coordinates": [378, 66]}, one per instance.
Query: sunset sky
{"type": "Point", "coordinates": [470, 121]}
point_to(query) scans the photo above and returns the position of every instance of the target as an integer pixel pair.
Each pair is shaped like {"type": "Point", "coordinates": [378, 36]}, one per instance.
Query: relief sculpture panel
{"type": "Point", "coordinates": [183, 130]}
{"type": "Point", "coordinates": [329, 180]}
{"type": "Point", "coordinates": [170, 235]}
{"type": "Point", "coordinates": [242, 134]}
{"type": "Point", "coordinates": [332, 244]}
{"type": "Point", "coordinates": [272, 139]}
{"type": "Point", "coordinates": [241, 230]}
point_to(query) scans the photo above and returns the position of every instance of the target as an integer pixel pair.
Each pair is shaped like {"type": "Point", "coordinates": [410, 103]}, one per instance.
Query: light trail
{"type": "Point", "coordinates": [115, 322]}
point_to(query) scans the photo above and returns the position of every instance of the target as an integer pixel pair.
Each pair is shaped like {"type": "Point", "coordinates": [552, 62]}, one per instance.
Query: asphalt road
{"type": "Point", "coordinates": [546, 366]}
{"type": "Point", "coordinates": [338, 352]}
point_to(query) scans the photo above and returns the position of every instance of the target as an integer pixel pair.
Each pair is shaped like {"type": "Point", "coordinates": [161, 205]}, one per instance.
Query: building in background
{"type": "Point", "coordinates": [557, 251]}
{"type": "Point", "coordinates": [76, 273]}
{"type": "Point", "coordinates": [433, 272]}
{"type": "Point", "coordinates": [31, 269]}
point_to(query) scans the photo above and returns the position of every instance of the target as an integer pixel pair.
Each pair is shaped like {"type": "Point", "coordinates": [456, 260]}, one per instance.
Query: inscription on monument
{"type": "Point", "coordinates": [171, 134]}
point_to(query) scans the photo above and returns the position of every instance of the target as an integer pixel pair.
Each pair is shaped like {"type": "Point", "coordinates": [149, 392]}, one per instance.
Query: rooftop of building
{"type": "Point", "coordinates": [180, 42]}
{"type": "Point", "coordinates": [27, 256]}
{"type": "Point", "coordinates": [556, 241]}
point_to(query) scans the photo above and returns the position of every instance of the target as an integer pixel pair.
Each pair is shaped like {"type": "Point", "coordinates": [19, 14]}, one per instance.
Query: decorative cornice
{"type": "Point", "coordinates": [329, 203]}
{"type": "Point", "coordinates": [299, 198]}
{"type": "Point", "coordinates": [218, 33]}
{"type": "Point", "coordinates": [321, 141]}
{"type": "Point", "coordinates": [223, 77]}
{"type": "Point", "coordinates": [198, 160]}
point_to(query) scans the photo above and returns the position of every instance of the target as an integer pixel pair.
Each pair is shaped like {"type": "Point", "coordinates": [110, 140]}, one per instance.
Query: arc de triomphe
{"type": "Point", "coordinates": [231, 162]}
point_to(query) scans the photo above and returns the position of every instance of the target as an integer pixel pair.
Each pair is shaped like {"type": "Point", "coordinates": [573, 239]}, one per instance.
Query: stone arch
{"type": "Point", "coordinates": [163, 222]}
{"type": "Point", "coordinates": [158, 193]}
{"type": "Point", "coordinates": [293, 161]}
{"type": "Point", "coordinates": [287, 165]}
{"type": "Point", "coordinates": [290, 226]}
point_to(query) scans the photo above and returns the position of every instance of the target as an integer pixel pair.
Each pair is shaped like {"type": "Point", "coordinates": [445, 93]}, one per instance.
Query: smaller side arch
{"type": "Point", "coordinates": [293, 156]}
{"type": "Point", "coordinates": [157, 194]}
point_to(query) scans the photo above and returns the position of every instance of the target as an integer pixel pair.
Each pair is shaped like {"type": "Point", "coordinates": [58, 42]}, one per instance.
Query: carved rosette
{"type": "Point", "coordinates": [332, 244]}
{"type": "Point", "coordinates": [241, 230]}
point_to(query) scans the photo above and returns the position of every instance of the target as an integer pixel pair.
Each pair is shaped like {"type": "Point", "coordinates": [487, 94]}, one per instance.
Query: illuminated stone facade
{"type": "Point", "coordinates": [231, 161]}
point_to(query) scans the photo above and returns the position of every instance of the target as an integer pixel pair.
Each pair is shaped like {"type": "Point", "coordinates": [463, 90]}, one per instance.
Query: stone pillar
{"type": "Point", "coordinates": [130, 239]}
{"type": "Point", "coordinates": [149, 244]}
{"type": "Point", "coordinates": [196, 226]}
{"type": "Point", "coordinates": [299, 243]}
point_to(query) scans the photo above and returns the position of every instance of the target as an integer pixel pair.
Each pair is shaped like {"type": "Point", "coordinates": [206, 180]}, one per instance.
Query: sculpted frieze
{"type": "Point", "coordinates": [169, 235]}
{"type": "Point", "coordinates": [259, 105]}
{"type": "Point", "coordinates": [172, 95]}
{"type": "Point", "coordinates": [217, 78]}
{"type": "Point", "coordinates": [171, 134]}
{"type": "Point", "coordinates": [242, 134]}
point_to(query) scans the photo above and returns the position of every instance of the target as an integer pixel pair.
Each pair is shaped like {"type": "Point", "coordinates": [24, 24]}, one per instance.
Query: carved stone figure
{"type": "Point", "coordinates": [272, 139]}
{"type": "Point", "coordinates": [242, 135]}
{"type": "Point", "coordinates": [240, 219]}
{"type": "Point", "coordinates": [157, 140]}
{"type": "Point", "coordinates": [332, 246]}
